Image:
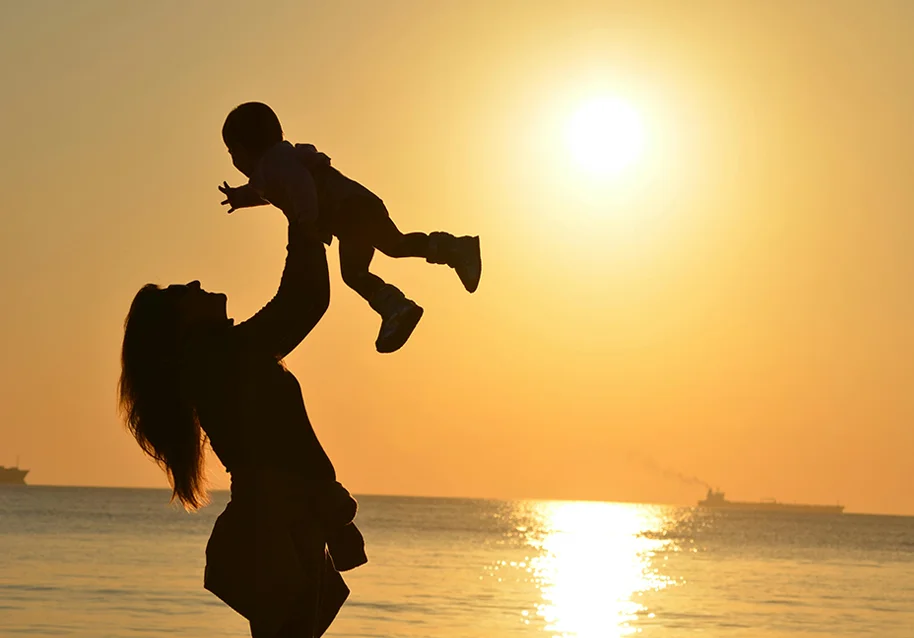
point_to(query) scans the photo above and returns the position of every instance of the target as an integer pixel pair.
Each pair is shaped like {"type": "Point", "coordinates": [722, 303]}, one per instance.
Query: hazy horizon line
{"type": "Point", "coordinates": [429, 497]}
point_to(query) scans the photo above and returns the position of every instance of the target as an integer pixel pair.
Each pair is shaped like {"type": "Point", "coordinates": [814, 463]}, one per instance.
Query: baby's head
{"type": "Point", "coordinates": [249, 131]}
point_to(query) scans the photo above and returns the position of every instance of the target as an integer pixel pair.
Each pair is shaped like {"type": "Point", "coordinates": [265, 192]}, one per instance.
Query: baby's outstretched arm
{"type": "Point", "coordinates": [241, 197]}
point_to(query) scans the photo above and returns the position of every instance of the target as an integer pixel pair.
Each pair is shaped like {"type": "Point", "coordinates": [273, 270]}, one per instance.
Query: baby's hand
{"type": "Point", "coordinates": [240, 197]}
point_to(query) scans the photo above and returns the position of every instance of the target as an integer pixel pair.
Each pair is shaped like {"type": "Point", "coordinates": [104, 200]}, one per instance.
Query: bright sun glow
{"type": "Point", "coordinates": [605, 136]}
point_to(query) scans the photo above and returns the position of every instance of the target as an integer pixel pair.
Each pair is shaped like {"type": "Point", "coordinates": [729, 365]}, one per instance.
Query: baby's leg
{"type": "Point", "coordinates": [355, 258]}
{"type": "Point", "coordinates": [460, 253]}
{"type": "Point", "coordinates": [387, 238]}
{"type": "Point", "coordinates": [399, 315]}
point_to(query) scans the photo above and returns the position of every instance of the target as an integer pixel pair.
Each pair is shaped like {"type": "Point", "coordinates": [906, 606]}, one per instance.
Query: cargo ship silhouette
{"type": "Point", "coordinates": [716, 500]}
{"type": "Point", "coordinates": [12, 475]}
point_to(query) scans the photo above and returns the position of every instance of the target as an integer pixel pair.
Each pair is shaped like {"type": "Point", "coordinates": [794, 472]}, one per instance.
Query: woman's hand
{"type": "Point", "coordinates": [240, 197]}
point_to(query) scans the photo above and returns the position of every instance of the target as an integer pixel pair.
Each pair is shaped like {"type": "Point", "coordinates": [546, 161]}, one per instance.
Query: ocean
{"type": "Point", "coordinates": [118, 563]}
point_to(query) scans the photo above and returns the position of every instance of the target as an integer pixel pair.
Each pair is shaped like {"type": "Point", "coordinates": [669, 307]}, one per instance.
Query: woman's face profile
{"type": "Point", "coordinates": [197, 305]}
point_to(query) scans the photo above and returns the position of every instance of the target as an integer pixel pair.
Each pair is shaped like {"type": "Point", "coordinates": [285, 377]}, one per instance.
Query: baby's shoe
{"type": "Point", "coordinates": [460, 253]}
{"type": "Point", "coordinates": [399, 317]}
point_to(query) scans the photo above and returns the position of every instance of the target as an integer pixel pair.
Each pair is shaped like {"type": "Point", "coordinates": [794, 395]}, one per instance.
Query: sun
{"type": "Point", "coordinates": [605, 136]}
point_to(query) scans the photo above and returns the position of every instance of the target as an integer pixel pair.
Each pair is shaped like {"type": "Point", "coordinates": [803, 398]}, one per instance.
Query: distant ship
{"type": "Point", "coordinates": [716, 500]}
{"type": "Point", "coordinates": [12, 475]}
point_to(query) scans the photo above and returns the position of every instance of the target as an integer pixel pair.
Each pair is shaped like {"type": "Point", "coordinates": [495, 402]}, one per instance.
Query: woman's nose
{"type": "Point", "coordinates": [194, 285]}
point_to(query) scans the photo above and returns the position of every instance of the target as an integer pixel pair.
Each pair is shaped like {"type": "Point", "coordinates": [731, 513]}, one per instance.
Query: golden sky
{"type": "Point", "coordinates": [735, 305]}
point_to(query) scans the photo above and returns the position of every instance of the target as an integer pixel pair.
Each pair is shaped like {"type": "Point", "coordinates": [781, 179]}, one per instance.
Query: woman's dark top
{"type": "Point", "coordinates": [267, 556]}
{"type": "Point", "coordinates": [248, 403]}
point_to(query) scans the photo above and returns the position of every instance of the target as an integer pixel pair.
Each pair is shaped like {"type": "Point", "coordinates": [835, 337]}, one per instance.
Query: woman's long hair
{"type": "Point", "coordinates": [152, 396]}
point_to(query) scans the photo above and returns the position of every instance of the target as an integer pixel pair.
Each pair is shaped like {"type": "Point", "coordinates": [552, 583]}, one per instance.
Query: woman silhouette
{"type": "Point", "coordinates": [189, 374]}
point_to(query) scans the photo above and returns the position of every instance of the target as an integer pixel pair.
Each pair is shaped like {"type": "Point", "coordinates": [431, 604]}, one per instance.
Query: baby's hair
{"type": "Point", "coordinates": [252, 126]}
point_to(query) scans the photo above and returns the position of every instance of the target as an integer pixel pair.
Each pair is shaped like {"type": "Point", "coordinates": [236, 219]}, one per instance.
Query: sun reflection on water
{"type": "Point", "coordinates": [592, 563]}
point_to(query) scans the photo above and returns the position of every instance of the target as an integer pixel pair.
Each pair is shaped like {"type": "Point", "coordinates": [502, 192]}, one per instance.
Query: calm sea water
{"type": "Point", "coordinates": [121, 563]}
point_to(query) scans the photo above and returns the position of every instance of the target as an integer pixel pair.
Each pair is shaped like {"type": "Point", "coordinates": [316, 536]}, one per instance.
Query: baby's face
{"type": "Point", "coordinates": [243, 161]}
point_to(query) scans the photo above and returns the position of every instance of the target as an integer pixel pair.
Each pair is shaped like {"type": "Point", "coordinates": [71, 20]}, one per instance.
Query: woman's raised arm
{"type": "Point", "coordinates": [302, 299]}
